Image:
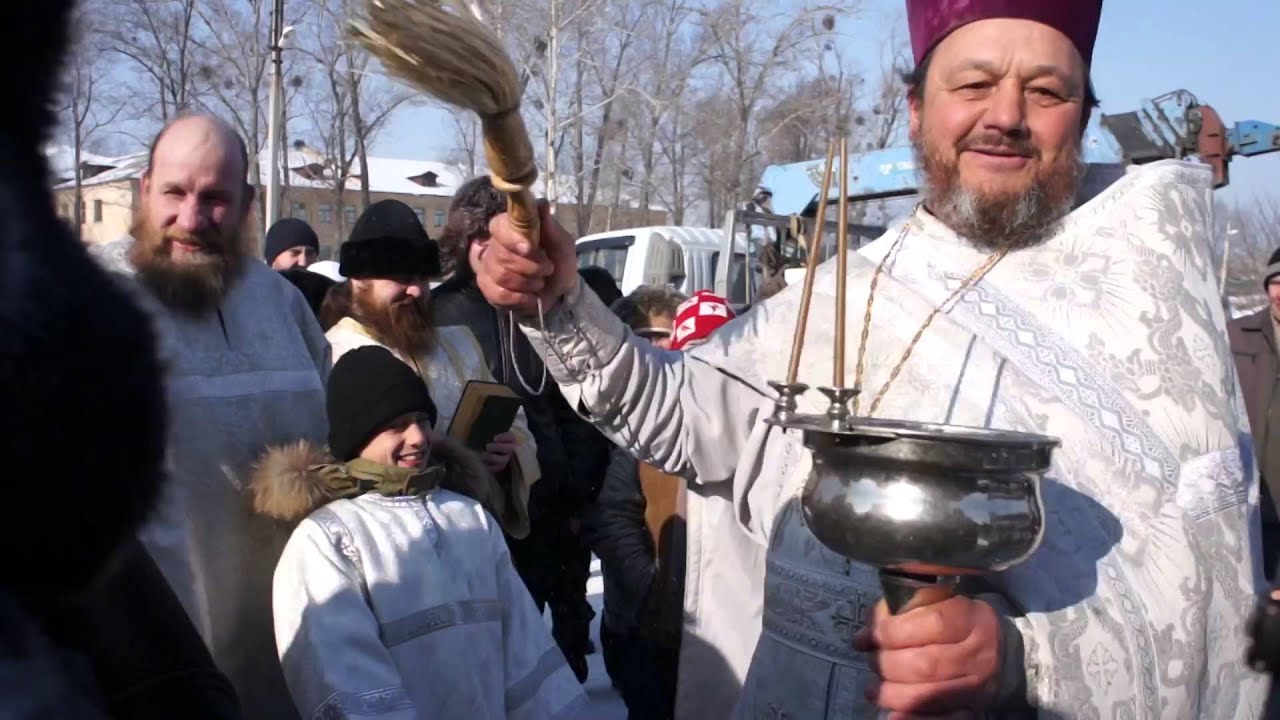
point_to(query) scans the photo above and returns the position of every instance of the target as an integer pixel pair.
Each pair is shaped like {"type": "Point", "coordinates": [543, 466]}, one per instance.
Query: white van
{"type": "Point", "coordinates": [685, 258]}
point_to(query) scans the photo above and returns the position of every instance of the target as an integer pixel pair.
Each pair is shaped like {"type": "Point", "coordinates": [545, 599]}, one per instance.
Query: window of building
{"type": "Point", "coordinates": [349, 215]}
{"type": "Point", "coordinates": [326, 214]}
{"type": "Point", "coordinates": [422, 215]}
{"type": "Point", "coordinates": [300, 210]}
{"type": "Point", "coordinates": [439, 218]}
{"type": "Point", "coordinates": [97, 211]}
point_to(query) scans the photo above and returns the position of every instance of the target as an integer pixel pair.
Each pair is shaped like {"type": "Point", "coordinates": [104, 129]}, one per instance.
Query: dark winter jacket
{"type": "Point", "coordinates": [1253, 346]}
{"type": "Point", "coordinates": [614, 527]}
{"type": "Point", "coordinates": [132, 634]}
{"type": "Point", "coordinates": [572, 454]}
{"type": "Point", "coordinates": [71, 525]}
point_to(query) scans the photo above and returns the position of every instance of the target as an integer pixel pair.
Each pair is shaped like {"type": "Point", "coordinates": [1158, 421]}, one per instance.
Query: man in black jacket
{"type": "Point", "coordinates": [553, 561]}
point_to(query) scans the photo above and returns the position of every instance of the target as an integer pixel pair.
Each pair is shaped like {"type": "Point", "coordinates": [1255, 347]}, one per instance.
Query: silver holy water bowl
{"type": "Point", "coordinates": [925, 503]}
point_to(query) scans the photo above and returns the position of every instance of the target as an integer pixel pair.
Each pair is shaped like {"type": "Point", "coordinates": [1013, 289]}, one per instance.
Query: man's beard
{"type": "Point", "coordinates": [407, 325]}
{"type": "Point", "coordinates": [999, 220]}
{"type": "Point", "coordinates": [197, 286]}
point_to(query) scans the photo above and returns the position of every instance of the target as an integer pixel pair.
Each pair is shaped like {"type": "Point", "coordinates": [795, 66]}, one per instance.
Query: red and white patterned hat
{"type": "Point", "coordinates": [698, 317]}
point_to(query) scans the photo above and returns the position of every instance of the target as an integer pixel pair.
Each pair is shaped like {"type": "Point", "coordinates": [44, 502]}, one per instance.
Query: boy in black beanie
{"type": "Point", "coordinates": [396, 581]}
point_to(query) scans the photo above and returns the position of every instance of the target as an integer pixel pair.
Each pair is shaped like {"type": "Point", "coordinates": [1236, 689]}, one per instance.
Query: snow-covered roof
{"type": "Point", "coordinates": [126, 167]}
{"type": "Point", "coordinates": [307, 169]}
{"type": "Point", "coordinates": [62, 160]}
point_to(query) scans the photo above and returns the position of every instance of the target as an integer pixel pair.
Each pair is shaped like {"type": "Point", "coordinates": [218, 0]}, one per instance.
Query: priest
{"type": "Point", "coordinates": [245, 364]}
{"type": "Point", "coordinates": [1073, 304]}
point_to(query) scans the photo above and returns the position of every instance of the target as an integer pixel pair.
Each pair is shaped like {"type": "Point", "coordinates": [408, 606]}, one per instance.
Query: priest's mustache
{"type": "Point", "coordinates": [1002, 144]}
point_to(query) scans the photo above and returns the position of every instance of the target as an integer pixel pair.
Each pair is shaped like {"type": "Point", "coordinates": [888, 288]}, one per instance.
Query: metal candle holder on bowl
{"type": "Point", "coordinates": [924, 503]}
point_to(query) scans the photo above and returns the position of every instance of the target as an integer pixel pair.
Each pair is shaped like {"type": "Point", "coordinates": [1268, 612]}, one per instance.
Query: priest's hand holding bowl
{"type": "Point", "coordinates": [497, 454]}
{"type": "Point", "coordinates": [514, 274]}
{"type": "Point", "coordinates": [940, 660]}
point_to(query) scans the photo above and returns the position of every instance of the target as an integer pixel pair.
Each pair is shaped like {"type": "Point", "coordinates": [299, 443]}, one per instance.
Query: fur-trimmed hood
{"type": "Point", "coordinates": [287, 484]}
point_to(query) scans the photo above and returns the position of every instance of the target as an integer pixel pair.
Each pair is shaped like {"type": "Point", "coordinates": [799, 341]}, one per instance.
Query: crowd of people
{"type": "Point", "coordinates": [269, 515]}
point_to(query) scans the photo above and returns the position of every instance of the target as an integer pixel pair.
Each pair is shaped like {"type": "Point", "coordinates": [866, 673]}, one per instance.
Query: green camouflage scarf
{"type": "Point", "coordinates": [360, 476]}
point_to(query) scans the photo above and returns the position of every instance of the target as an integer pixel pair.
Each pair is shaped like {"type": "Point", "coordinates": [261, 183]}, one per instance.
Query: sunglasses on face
{"type": "Point", "coordinates": [652, 334]}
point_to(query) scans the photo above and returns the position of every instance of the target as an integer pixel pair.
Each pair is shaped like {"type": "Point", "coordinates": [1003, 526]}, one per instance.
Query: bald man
{"type": "Point", "coordinates": [246, 364]}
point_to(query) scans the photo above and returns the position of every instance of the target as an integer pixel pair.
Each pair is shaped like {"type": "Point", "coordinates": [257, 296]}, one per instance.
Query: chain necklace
{"type": "Point", "coordinates": [968, 282]}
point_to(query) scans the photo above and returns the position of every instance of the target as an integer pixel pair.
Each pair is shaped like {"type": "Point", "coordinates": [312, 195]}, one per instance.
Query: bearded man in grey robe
{"type": "Point", "coordinates": [1098, 322]}
{"type": "Point", "coordinates": [246, 363]}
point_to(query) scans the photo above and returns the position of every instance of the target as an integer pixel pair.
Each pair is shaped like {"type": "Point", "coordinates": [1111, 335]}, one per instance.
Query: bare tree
{"type": "Point", "coordinates": [234, 37]}
{"type": "Point", "coordinates": [90, 101]}
{"type": "Point", "coordinates": [677, 141]}
{"type": "Point", "coordinates": [1250, 233]}
{"type": "Point", "coordinates": [542, 34]}
{"type": "Point", "coordinates": [158, 40]}
{"type": "Point", "coordinates": [799, 123]}
{"type": "Point", "coordinates": [602, 73]}
{"type": "Point", "coordinates": [349, 102]}
{"type": "Point", "coordinates": [882, 122]}
{"type": "Point", "coordinates": [755, 52]}
{"type": "Point", "coordinates": [468, 145]}
{"type": "Point", "coordinates": [673, 52]}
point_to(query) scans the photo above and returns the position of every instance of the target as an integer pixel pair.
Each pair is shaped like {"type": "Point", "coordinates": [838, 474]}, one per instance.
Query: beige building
{"type": "Point", "coordinates": [111, 187]}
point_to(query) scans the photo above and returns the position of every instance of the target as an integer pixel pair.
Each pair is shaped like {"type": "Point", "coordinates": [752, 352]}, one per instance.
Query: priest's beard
{"type": "Point", "coordinates": [406, 325]}
{"type": "Point", "coordinates": [999, 220]}
{"type": "Point", "coordinates": [196, 286]}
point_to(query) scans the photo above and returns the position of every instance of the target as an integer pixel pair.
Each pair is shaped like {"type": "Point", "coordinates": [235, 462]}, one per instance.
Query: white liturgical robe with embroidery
{"type": "Point", "coordinates": [406, 608]}
{"type": "Point", "coordinates": [241, 379]}
{"type": "Point", "coordinates": [1108, 335]}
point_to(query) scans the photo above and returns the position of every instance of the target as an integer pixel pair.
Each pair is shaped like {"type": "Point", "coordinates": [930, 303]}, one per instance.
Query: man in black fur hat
{"type": "Point", "coordinates": [390, 260]}
{"type": "Point", "coordinates": [246, 365]}
{"type": "Point", "coordinates": [553, 560]}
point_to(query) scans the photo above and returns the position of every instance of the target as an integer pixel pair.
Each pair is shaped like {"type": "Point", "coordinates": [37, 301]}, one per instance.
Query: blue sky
{"type": "Point", "coordinates": [1226, 52]}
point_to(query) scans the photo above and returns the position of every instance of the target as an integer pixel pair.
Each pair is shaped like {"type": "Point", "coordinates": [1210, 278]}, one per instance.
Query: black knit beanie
{"type": "Point", "coordinates": [368, 388]}
{"type": "Point", "coordinates": [1273, 269]}
{"type": "Point", "coordinates": [388, 240]}
{"type": "Point", "coordinates": [288, 233]}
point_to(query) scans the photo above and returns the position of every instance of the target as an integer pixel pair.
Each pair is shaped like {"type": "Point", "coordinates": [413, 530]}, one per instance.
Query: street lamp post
{"type": "Point", "coordinates": [274, 112]}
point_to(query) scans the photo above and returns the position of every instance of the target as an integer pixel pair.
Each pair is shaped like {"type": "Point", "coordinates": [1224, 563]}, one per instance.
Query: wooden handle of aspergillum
{"type": "Point", "coordinates": [511, 167]}
{"type": "Point", "coordinates": [523, 210]}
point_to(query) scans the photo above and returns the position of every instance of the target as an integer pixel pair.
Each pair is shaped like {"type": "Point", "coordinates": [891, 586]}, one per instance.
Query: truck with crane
{"type": "Point", "coordinates": [1175, 125]}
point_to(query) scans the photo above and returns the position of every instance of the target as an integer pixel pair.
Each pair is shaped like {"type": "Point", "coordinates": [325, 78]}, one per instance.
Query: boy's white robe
{"type": "Point", "coordinates": [409, 608]}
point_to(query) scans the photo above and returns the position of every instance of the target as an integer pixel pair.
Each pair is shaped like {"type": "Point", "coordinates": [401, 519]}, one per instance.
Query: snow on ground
{"type": "Point", "coordinates": [604, 702]}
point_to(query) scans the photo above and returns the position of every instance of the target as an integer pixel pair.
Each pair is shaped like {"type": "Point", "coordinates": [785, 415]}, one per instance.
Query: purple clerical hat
{"type": "Point", "coordinates": [932, 20]}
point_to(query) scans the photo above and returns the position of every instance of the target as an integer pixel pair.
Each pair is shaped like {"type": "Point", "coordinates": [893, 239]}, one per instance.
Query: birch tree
{"type": "Point", "coordinates": [542, 34]}
{"type": "Point", "coordinates": [603, 72]}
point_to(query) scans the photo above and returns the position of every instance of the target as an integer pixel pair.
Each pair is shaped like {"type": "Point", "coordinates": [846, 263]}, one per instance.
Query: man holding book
{"type": "Point", "coordinates": [389, 259]}
{"type": "Point", "coordinates": [573, 455]}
